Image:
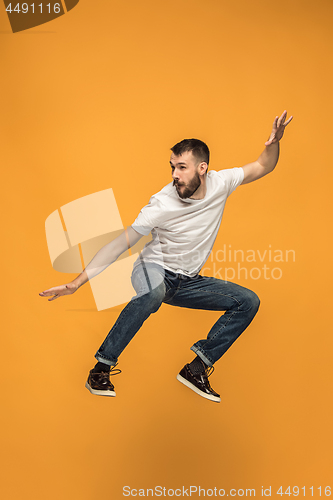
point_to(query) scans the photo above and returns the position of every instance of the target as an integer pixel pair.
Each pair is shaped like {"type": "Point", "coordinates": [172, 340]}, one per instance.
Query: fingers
{"type": "Point", "coordinates": [279, 125]}
{"type": "Point", "coordinates": [282, 118]}
{"type": "Point", "coordinates": [271, 141]}
{"type": "Point", "coordinates": [47, 293]}
{"type": "Point", "coordinates": [288, 121]}
{"type": "Point", "coordinates": [51, 291]}
{"type": "Point", "coordinates": [58, 291]}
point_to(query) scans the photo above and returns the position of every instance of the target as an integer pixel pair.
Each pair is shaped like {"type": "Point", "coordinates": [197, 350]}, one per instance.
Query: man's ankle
{"type": "Point", "coordinates": [101, 367]}
{"type": "Point", "coordinates": [197, 366]}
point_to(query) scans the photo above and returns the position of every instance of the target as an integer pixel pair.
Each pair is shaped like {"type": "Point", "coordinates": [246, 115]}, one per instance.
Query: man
{"type": "Point", "coordinates": [184, 218]}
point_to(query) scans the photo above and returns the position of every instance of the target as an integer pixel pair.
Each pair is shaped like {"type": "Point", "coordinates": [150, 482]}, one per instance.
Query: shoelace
{"type": "Point", "coordinates": [115, 370]}
{"type": "Point", "coordinates": [209, 370]}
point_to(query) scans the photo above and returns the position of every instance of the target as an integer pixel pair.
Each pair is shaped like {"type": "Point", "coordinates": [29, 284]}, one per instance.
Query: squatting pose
{"type": "Point", "coordinates": [184, 219]}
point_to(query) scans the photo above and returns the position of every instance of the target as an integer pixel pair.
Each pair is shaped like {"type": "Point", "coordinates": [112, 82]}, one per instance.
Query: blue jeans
{"type": "Point", "coordinates": [155, 285]}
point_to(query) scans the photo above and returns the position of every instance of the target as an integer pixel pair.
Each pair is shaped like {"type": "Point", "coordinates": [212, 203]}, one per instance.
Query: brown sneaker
{"type": "Point", "coordinates": [99, 383]}
{"type": "Point", "coordinates": [199, 383]}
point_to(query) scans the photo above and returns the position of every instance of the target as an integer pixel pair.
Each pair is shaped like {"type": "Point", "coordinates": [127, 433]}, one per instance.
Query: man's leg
{"type": "Point", "coordinates": [240, 305]}
{"type": "Point", "coordinates": [148, 282]}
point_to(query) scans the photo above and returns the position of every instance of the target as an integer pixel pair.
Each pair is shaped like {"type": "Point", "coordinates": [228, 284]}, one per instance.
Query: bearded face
{"type": "Point", "coordinates": [186, 190]}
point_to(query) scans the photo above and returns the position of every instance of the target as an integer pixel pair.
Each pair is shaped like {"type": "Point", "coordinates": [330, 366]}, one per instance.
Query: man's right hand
{"type": "Point", "coordinates": [58, 291]}
{"type": "Point", "coordinates": [104, 257]}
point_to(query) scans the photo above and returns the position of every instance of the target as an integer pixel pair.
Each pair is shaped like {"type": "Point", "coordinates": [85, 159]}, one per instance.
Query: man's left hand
{"type": "Point", "coordinates": [279, 125]}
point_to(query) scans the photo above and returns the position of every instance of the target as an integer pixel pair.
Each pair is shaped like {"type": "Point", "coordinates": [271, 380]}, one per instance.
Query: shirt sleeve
{"type": "Point", "coordinates": [149, 217]}
{"type": "Point", "coordinates": [233, 177]}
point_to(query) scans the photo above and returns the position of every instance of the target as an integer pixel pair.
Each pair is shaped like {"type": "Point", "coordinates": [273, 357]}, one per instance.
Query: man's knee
{"type": "Point", "coordinates": [251, 302]}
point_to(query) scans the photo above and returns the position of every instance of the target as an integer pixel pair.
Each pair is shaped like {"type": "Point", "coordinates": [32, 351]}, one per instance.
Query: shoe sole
{"type": "Point", "coordinates": [196, 390]}
{"type": "Point", "coordinates": [100, 393]}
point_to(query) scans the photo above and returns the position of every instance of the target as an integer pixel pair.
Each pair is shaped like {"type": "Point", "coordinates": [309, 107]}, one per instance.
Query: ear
{"type": "Point", "coordinates": [202, 168]}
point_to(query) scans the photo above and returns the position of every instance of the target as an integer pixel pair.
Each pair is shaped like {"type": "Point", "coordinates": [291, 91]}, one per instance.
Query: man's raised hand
{"type": "Point", "coordinates": [279, 125]}
{"type": "Point", "coordinates": [58, 291]}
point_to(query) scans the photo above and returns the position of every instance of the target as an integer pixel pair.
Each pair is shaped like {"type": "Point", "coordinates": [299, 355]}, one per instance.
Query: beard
{"type": "Point", "coordinates": [187, 190]}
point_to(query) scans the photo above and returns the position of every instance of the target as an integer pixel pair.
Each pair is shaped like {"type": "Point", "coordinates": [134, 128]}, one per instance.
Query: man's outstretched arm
{"type": "Point", "coordinates": [104, 257]}
{"type": "Point", "coordinates": [269, 157]}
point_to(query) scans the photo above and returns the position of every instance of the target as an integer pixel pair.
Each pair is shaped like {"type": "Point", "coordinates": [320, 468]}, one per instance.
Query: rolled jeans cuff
{"type": "Point", "coordinates": [201, 355]}
{"type": "Point", "coordinates": [104, 360]}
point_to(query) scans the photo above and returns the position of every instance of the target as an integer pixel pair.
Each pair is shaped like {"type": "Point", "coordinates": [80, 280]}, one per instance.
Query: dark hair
{"type": "Point", "coordinates": [198, 148]}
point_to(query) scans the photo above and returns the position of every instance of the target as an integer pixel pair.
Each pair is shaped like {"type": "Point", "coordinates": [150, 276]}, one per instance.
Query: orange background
{"type": "Point", "coordinates": [95, 99]}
